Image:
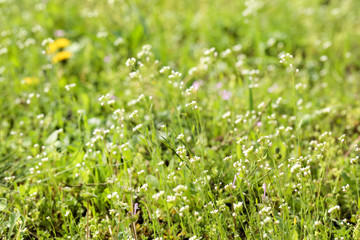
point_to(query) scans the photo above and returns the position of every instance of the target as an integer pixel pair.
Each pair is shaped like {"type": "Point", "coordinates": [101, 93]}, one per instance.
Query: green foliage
{"type": "Point", "coordinates": [179, 119]}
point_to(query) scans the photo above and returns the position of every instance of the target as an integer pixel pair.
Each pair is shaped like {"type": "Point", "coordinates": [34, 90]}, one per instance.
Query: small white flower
{"type": "Point", "coordinates": [323, 58]}
{"type": "Point", "coordinates": [171, 198]}
{"type": "Point", "coordinates": [130, 62]}
{"type": "Point", "coordinates": [135, 74]}
{"type": "Point", "coordinates": [137, 127]}
{"type": "Point", "coordinates": [238, 205]}
{"type": "Point", "coordinates": [119, 41]}
{"type": "Point", "coordinates": [158, 195]}
{"type": "Point", "coordinates": [186, 207]}
{"type": "Point", "coordinates": [69, 86]}
{"type": "Point", "coordinates": [194, 238]}
{"type": "Point", "coordinates": [133, 114]}
{"type": "Point", "coordinates": [214, 211]}
{"type": "Point", "coordinates": [337, 207]}
{"type": "Point", "coordinates": [180, 136]}
{"type": "Point", "coordinates": [226, 115]}
{"type": "Point", "coordinates": [317, 223]}
{"type": "Point", "coordinates": [164, 69]}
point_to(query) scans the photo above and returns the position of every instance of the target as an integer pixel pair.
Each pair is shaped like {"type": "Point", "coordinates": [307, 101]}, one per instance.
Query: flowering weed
{"type": "Point", "coordinates": [179, 120]}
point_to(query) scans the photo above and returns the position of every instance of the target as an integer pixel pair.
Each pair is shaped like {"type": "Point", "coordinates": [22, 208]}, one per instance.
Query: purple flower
{"type": "Point", "coordinates": [219, 85]}
{"type": "Point", "coordinates": [135, 207]}
{"type": "Point", "coordinates": [225, 94]}
{"type": "Point", "coordinates": [197, 84]}
{"type": "Point", "coordinates": [107, 58]}
{"type": "Point", "coordinates": [264, 187]}
{"type": "Point", "coordinates": [59, 33]}
{"type": "Point", "coordinates": [233, 184]}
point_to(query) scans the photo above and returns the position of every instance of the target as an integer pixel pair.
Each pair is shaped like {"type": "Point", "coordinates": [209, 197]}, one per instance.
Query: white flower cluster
{"type": "Point", "coordinates": [113, 195]}
{"type": "Point", "coordinates": [354, 160]}
{"type": "Point", "coordinates": [335, 208]}
{"type": "Point", "coordinates": [285, 58]}
{"type": "Point", "coordinates": [192, 104]}
{"type": "Point", "coordinates": [70, 86]}
{"type": "Point", "coordinates": [106, 99]}
{"type": "Point", "coordinates": [9, 179]}
{"type": "Point", "coordinates": [145, 52]}
{"type": "Point", "coordinates": [342, 138]}
{"type": "Point", "coordinates": [156, 196]}
{"type": "Point", "coordinates": [195, 238]}
{"type": "Point", "coordinates": [164, 69]}
{"type": "Point", "coordinates": [119, 114]}
{"type": "Point", "coordinates": [135, 74]}
{"type": "Point", "coordinates": [135, 101]}
{"type": "Point", "coordinates": [183, 209]}
{"type": "Point", "coordinates": [130, 62]}
{"type": "Point", "coordinates": [238, 206]}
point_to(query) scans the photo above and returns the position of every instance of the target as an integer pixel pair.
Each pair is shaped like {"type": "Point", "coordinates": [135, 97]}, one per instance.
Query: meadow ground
{"type": "Point", "coordinates": [138, 119]}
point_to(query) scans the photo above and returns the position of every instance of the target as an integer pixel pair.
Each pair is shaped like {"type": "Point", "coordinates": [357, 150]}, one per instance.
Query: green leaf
{"type": "Point", "coordinates": [153, 181]}
{"type": "Point", "coordinates": [294, 235]}
{"type": "Point", "coordinates": [3, 204]}
{"type": "Point", "coordinates": [238, 151]}
{"type": "Point", "coordinates": [53, 137]}
{"type": "Point", "coordinates": [14, 216]}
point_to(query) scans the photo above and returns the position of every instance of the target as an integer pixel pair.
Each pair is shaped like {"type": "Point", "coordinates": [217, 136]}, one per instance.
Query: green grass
{"type": "Point", "coordinates": [229, 141]}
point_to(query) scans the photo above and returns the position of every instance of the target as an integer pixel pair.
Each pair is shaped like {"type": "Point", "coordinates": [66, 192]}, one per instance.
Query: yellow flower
{"type": "Point", "coordinates": [30, 81]}
{"type": "Point", "coordinates": [62, 42]}
{"type": "Point", "coordinates": [58, 44]}
{"type": "Point", "coordinates": [61, 56]}
{"type": "Point", "coordinates": [52, 48]}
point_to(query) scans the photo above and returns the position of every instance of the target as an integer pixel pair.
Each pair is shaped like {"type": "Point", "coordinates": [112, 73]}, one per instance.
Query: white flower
{"type": "Point", "coordinates": [285, 58]}
{"type": "Point", "coordinates": [180, 136]}
{"type": "Point", "coordinates": [317, 223]}
{"type": "Point", "coordinates": [344, 188]}
{"type": "Point", "coordinates": [135, 74]}
{"type": "Point", "coordinates": [214, 211]}
{"type": "Point", "coordinates": [337, 207]}
{"type": "Point", "coordinates": [238, 205]}
{"type": "Point", "coordinates": [137, 127]}
{"type": "Point", "coordinates": [194, 238]}
{"type": "Point", "coordinates": [130, 62]}
{"type": "Point", "coordinates": [171, 198]}
{"type": "Point", "coordinates": [225, 53]}
{"type": "Point", "coordinates": [112, 195]}
{"type": "Point", "coordinates": [158, 195]}
{"type": "Point", "coordinates": [182, 209]}
{"type": "Point", "coordinates": [118, 41]}
{"type": "Point", "coordinates": [133, 114]}
{"type": "Point", "coordinates": [69, 86]}
{"type": "Point", "coordinates": [164, 69]}
{"type": "Point", "coordinates": [226, 115]}
{"type": "Point", "coordinates": [180, 188]}
{"type": "Point", "coordinates": [323, 58]}
{"type": "Point", "coordinates": [67, 213]}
